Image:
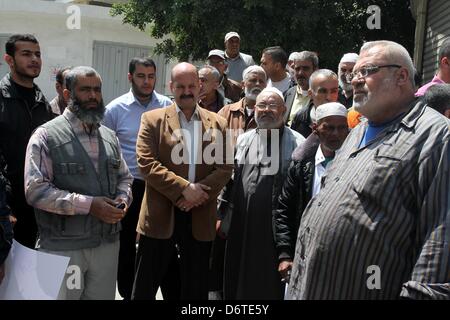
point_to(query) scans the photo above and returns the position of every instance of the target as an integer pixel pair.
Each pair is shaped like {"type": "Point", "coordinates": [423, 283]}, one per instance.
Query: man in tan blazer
{"type": "Point", "coordinates": [182, 183]}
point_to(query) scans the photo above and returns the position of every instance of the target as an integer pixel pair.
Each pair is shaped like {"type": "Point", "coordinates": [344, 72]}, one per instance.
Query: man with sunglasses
{"type": "Point", "coordinates": [378, 228]}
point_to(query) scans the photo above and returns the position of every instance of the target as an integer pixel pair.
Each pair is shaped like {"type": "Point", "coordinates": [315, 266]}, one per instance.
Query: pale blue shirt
{"type": "Point", "coordinates": [123, 115]}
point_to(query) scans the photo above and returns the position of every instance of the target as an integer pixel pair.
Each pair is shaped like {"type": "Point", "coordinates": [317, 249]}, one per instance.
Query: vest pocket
{"type": "Point", "coordinates": [112, 173]}
{"type": "Point", "coordinates": [73, 226]}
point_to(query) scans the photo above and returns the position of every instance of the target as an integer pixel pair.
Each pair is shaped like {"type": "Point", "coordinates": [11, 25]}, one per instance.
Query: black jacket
{"type": "Point", "coordinates": [302, 121]}
{"type": "Point", "coordinates": [295, 195]}
{"type": "Point", "coordinates": [17, 123]}
{"type": "Point", "coordinates": [6, 233]}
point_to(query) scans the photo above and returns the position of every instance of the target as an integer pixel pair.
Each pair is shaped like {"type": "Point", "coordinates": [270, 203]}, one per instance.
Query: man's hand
{"type": "Point", "coordinates": [2, 272]}
{"type": "Point", "coordinates": [184, 205]}
{"type": "Point", "coordinates": [105, 209]}
{"type": "Point", "coordinates": [12, 220]}
{"type": "Point", "coordinates": [195, 193]}
{"type": "Point", "coordinates": [284, 268]}
{"type": "Point", "coordinates": [220, 234]}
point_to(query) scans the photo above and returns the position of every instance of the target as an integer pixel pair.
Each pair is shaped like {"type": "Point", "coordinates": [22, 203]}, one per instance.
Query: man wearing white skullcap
{"type": "Point", "coordinates": [345, 67]}
{"type": "Point", "coordinates": [250, 254]}
{"type": "Point", "coordinates": [237, 61]}
{"type": "Point", "coordinates": [310, 161]}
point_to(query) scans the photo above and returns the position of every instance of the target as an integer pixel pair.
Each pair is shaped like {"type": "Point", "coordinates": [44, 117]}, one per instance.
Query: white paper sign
{"type": "Point", "coordinates": [32, 275]}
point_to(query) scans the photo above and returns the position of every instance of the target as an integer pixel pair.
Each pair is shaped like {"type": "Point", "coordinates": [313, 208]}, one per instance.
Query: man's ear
{"type": "Point", "coordinates": [130, 76]}
{"type": "Point", "coordinates": [315, 126]}
{"type": "Point", "coordinates": [66, 94]}
{"type": "Point", "coordinates": [445, 62]}
{"type": "Point", "coordinates": [9, 60]}
{"type": "Point", "coordinates": [310, 93]}
{"type": "Point", "coordinates": [402, 76]}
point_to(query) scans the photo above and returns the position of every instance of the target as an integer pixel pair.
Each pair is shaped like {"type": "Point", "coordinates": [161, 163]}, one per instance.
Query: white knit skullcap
{"type": "Point", "coordinates": [349, 57]}
{"type": "Point", "coordinates": [253, 68]}
{"type": "Point", "coordinates": [273, 90]}
{"type": "Point", "coordinates": [330, 109]}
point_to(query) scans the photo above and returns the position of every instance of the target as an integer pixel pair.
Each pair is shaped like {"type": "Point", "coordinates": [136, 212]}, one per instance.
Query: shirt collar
{"type": "Point", "coordinates": [319, 156]}
{"type": "Point", "coordinates": [300, 91]}
{"type": "Point", "coordinates": [196, 114]}
{"type": "Point", "coordinates": [131, 99]}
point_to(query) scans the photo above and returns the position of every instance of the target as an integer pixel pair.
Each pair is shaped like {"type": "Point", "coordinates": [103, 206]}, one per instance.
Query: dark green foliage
{"type": "Point", "coordinates": [331, 28]}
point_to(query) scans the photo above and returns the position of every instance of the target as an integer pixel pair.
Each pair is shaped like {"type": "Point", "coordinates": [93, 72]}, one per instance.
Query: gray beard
{"type": "Point", "coordinates": [87, 116]}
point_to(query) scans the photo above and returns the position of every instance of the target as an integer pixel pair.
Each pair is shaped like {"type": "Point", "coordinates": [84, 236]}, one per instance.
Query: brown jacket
{"type": "Point", "coordinates": [165, 181]}
{"type": "Point", "coordinates": [236, 119]}
{"type": "Point", "coordinates": [232, 89]}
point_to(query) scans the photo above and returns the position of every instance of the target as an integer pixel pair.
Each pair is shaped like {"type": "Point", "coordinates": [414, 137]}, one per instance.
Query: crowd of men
{"type": "Point", "coordinates": [336, 186]}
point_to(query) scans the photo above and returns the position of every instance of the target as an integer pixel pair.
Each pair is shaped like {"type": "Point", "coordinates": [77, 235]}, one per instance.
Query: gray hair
{"type": "Point", "coordinates": [253, 69]}
{"type": "Point", "coordinates": [394, 53]}
{"type": "Point", "coordinates": [81, 71]}
{"type": "Point", "coordinates": [308, 56]}
{"type": "Point", "coordinates": [327, 73]}
{"type": "Point", "coordinates": [214, 71]}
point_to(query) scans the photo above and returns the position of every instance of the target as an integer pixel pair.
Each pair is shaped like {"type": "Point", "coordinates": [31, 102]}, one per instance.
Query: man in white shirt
{"type": "Point", "coordinates": [273, 61]}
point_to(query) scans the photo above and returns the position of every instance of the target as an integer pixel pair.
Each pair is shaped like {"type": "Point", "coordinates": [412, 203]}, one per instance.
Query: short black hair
{"type": "Point", "coordinates": [10, 46]}
{"type": "Point", "coordinates": [277, 54]}
{"type": "Point", "coordinates": [438, 97]}
{"type": "Point", "coordinates": [147, 62]}
{"type": "Point", "coordinates": [60, 74]}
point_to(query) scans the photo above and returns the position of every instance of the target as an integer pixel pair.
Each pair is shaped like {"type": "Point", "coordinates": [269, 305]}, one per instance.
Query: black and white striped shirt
{"type": "Point", "coordinates": [380, 227]}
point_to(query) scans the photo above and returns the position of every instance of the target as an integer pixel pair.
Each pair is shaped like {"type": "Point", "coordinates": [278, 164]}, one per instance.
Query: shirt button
{"type": "Point", "coordinates": [336, 179]}
{"type": "Point", "coordinates": [319, 204]}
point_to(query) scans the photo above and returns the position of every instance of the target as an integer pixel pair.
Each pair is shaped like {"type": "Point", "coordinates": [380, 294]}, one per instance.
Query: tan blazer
{"type": "Point", "coordinates": [165, 180]}
{"type": "Point", "coordinates": [235, 115]}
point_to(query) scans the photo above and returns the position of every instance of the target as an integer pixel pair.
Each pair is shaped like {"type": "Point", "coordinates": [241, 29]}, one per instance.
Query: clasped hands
{"type": "Point", "coordinates": [194, 195]}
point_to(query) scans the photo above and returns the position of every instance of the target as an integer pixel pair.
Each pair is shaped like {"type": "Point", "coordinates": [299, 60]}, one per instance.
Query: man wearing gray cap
{"type": "Point", "coordinates": [310, 161]}
{"type": "Point", "coordinates": [237, 61]}
{"type": "Point", "coordinates": [228, 88]}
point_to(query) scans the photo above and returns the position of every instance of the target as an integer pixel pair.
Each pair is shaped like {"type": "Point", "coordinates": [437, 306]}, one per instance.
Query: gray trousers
{"type": "Point", "coordinates": [91, 274]}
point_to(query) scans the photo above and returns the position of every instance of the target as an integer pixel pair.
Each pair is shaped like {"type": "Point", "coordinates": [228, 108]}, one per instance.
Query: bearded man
{"type": "Point", "coordinates": [261, 162]}
{"type": "Point", "coordinates": [80, 187]}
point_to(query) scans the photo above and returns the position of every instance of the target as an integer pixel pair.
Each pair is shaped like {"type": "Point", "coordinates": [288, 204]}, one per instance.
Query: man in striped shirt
{"type": "Point", "coordinates": [379, 227]}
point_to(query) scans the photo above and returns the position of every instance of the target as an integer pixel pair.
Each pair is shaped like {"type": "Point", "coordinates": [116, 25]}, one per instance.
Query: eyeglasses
{"type": "Point", "coordinates": [368, 70]}
{"type": "Point", "coordinates": [271, 106]}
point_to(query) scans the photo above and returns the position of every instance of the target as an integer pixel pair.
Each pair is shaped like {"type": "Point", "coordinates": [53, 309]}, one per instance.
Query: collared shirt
{"type": "Point", "coordinates": [39, 173]}
{"type": "Point", "coordinates": [123, 116]}
{"type": "Point", "coordinates": [321, 166]}
{"type": "Point", "coordinates": [301, 101]}
{"type": "Point", "coordinates": [379, 228]}
{"type": "Point", "coordinates": [192, 133]}
{"type": "Point", "coordinates": [421, 91]}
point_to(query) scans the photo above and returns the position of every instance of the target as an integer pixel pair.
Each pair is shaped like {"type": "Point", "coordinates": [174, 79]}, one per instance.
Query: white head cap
{"type": "Point", "coordinates": [349, 57]}
{"type": "Point", "coordinates": [231, 35]}
{"type": "Point", "coordinates": [330, 109]}
{"type": "Point", "coordinates": [253, 68]}
{"type": "Point", "coordinates": [273, 90]}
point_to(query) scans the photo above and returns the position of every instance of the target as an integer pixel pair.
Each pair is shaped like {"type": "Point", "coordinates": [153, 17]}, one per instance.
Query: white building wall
{"type": "Point", "coordinates": [62, 46]}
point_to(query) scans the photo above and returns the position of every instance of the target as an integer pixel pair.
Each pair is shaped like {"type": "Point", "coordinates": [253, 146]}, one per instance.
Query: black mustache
{"type": "Point", "coordinates": [186, 96]}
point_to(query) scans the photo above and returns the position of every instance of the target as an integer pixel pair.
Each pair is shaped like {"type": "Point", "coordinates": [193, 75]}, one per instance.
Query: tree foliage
{"type": "Point", "coordinates": [188, 29]}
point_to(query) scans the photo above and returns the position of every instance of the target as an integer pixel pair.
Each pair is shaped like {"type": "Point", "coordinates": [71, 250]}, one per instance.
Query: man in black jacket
{"type": "Point", "coordinates": [6, 233]}
{"type": "Point", "coordinates": [310, 161]}
{"type": "Point", "coordinates": [23, 108]}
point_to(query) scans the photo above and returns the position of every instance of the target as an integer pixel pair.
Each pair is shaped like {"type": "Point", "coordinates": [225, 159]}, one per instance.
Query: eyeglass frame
{"type": "Point", "coordinates": [270, 106]}
{"type": "Point", "coordinates": [372, 69]}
